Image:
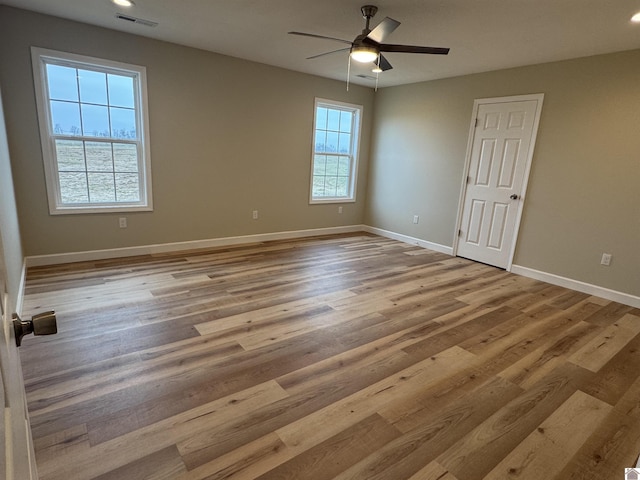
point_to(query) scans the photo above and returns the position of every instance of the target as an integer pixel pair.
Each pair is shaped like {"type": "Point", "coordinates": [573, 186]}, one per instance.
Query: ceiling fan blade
{"type": "Point", "coordinates": [383, 63]}
{"type": "Point", "coordinates": [384, 29]}
{"type": "Point", "coordinates": [328, 53]}
{"type": "Point", "coordinates": [385, 47]}
{"type": "Point", "coordinates": [313, 35]}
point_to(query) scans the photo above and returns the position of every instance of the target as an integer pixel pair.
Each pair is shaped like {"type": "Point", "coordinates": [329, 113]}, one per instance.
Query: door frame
{"type": "Point", "coordinates": [17, 453]}
{"type": "Point", "coordinates": [539, 98]}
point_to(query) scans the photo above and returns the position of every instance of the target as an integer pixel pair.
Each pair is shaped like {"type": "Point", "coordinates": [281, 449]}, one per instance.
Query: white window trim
{"type": "Point", "coordinates": [38, 57]}
{"type": "Point", "coordinates": [355, 149]}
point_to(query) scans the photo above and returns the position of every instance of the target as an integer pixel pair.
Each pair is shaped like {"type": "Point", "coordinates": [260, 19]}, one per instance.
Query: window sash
{"type": "Point", "coordinates": [352, 154]}
{"type": "Point", "coordinates": [131, 191]}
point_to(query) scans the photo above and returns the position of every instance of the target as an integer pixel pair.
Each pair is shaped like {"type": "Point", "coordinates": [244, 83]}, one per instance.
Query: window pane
{"type": "Point", "coordinates": [99, 157]}
{"type": "Point", "coordinates": [101, 187]}
{"type": "Point", "coordinates": [120, 91]}
{"type": "Point", "coordinates": [95, 121]}
{"type": "Point", "coordinates": [62, 83]}
{"type": "Point", "coordinates": [318, 187]}
{"type": "Point", "coordinates": [127, 187]}
{"type": "Point", "coordinates": [125, 156]}
{"type": "Point", "coordinates": [93, 87]}
{"type": "Point", "coordinates": [321, 118]}
{"type": "Point", "coordinates": [342, 185]}
{"type": "Point", "coordinates": [65, 118]}
{"type": "Point", "coordinates": [321, 141]}
{"type": "Point", "coordinates": [319, 163]}
{"type": "Point", "coordinates": [70, 156]}
{"type": "Point", "coordinates": [343, 166]}
{"type": "Point", "coordinates": [333, 120]}
{"type": "Point", "coordinates": [123, 123]}
{"type": "Point", "coordinates": [73, 187]}
{"type": "Point", "coordinates": [330, 184]}
{"type": "Point", "coordinates": [332, 142]}
{"type": "Point", "coordinates": [344, 143]}
{"type": "Point", "coordinates": [345, 121]}
{"type": "Point", "coordinates": [332, 166]}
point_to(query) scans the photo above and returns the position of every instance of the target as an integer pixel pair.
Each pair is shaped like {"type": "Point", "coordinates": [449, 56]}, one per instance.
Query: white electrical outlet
{"type": "Point", "coordinates": [416, 218]}
{"type": "Point", "coordinates": [255, 214]}
{"type": "Point", "coordinates": [122, 222]}
{"type": "Point", "coordinates": [606, 259]}
{"type": "Point", "coordinates": [339, 209]}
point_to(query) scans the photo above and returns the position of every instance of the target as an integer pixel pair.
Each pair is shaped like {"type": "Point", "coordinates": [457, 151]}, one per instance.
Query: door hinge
{"type": "Point", "coordinates": [469, 179]}
{"type": "Point", "coordinates": [459, 233]}
{"type": "Point", "coordinates": [477, 122]}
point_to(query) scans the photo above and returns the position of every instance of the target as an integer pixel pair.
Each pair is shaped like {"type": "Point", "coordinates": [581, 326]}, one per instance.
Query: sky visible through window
{"type": "Point", "coordinates": [90, 103]}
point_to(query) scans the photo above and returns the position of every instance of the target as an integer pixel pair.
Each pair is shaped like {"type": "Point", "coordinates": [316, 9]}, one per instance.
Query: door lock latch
{"type": "Point", "coordinates": [41, 324]}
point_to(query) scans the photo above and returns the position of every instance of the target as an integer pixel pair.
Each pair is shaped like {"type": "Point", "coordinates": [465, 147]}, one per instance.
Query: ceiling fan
{"type": "Point", "coordinates": [368, 46]}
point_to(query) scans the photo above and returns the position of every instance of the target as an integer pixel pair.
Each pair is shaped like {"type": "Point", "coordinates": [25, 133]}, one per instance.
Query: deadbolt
{"type": "Point", "coordinates": [41, 324]}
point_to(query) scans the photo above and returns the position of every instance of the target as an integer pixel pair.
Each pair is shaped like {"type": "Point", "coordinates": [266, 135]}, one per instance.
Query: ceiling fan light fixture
{"type": "Point", "coordinates": [364, 53]}
{"type": "Point", "coordinates": [124, 3]}
{"type": "Point", "coordinates": [636, 18]}
{"type": "Point", "coordinates": [376, 69]}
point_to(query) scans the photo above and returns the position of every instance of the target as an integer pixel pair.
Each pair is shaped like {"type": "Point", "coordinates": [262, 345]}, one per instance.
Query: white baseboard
{"type": "Point", "coordinates": [91, 255]}
{"type": "Point", "coordinates": [577, 285]}
{"type": "Point", "coordinates": [407, 239]}
{"type": "Point", "coordinates": [55, 259]}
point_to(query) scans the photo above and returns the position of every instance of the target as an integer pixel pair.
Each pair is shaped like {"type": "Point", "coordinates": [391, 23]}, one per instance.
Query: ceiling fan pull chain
{"type": "Point", "coordinates": [348, 71]}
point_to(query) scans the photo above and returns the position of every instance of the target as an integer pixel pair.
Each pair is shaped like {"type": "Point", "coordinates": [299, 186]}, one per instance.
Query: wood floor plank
{"type": "Point", "coordinates": [249, 461]}
{"type": "Point", "coordinates": [433, 433]}
{"type": "Point", "coordinates": [124, 449]}
{"type": "Point", "coordinates": [534, 366]}
{"type": "Point", "coordinates": [433, 471]}
{"type": "Point", "coordinates": [165, 464]}
{"type": "Point", "coordinates": [201, 448]}
{"type": "Point", "coordinates": [546, 451]}
{"type": "Point", "coordinates": [606, 451]}
{"type": "Point", "coordinates": [608, 343]}
{"type": "Point", "coordinates": [617, 375]}
{"type": "Point", "coordinates": [482, 449]}
{"type": "Point", "coordinates": [317, 427]}
{"type": "Point", "coordinates": [340, 357]}
{"type": "Point", "coordinates": [336, 454]}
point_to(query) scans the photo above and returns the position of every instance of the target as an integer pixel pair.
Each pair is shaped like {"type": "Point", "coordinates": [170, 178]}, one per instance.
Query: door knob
{"type": "Point", "coordinates": [41, 324]}
{"type": "Point", "coordinates": [514, 196]}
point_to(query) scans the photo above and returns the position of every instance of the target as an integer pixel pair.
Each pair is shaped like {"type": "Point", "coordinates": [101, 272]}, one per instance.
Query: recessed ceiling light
{"type": "Point", "coordinates": [636, 18]}
{"type": "Point", "coordinates": [124, 3]}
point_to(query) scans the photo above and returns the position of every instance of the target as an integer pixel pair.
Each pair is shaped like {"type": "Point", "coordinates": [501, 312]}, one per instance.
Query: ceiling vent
{"type": "Point", "coordinates": [139, 21]}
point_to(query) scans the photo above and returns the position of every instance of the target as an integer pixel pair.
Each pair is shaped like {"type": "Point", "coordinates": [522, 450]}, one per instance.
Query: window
{"type": "Point", "coordinates": [335, 151]}
{"type": "Point", "coordinates": [93, 128]}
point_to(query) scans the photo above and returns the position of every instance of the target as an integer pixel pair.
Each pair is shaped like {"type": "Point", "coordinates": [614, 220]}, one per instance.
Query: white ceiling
{"type": "Point", "coordinates": [483, 35]}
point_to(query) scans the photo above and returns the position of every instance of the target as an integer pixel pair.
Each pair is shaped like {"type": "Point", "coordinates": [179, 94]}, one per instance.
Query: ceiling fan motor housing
{"type": "Point", "coordinates": [368, 11]}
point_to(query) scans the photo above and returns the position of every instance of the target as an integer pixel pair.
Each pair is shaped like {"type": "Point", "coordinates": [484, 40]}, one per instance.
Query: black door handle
{"type": "Point", "coordinates": [41, 324]}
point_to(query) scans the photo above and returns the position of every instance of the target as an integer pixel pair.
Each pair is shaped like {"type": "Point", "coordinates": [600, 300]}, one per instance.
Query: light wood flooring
{"type": "Point", "coordinates": [341, 357]}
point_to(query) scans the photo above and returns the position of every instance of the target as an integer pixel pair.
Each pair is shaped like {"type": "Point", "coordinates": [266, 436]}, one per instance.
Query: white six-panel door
{"type": "Point", "coordinates": [501, 150]}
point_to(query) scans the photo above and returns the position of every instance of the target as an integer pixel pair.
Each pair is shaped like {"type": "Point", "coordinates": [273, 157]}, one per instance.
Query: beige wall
{"type": "Point", "coordinates": [584, 191]}
{"type": "Point", "coordinates": [227, 137]}
{"type": "Point", "coordinates": [9, 228]}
